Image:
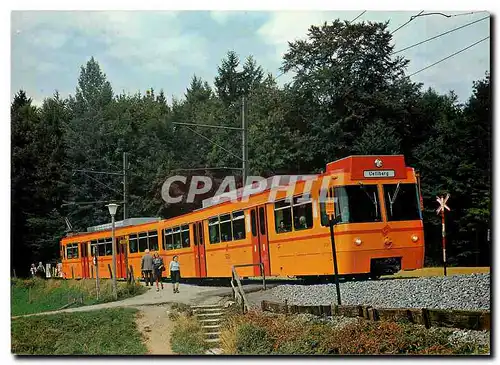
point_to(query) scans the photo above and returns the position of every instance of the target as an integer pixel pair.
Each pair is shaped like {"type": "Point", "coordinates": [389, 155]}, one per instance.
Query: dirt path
{"type": "Point", "coordinates": [189, 294]}
{"type": "Point", "coordinates": [154, 324]}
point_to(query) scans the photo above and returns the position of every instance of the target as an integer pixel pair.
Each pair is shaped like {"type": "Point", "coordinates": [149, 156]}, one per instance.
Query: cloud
{"type": "Point", "coordinates": [137, 39]}
{"type": "Point", "coordinates": [220, 17]}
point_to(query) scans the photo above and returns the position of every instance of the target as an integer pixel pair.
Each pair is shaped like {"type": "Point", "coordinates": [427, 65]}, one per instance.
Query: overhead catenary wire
{"type": "Point", "coordinates": [440, 35]}
{"type": "Point", "coordinates": [431, 38]}
{"type": "Point", "coordinates": [450, 56]}
{"type": "Point", "coordinates": [364, 11]}
{"type": "Point", "coordinates": [408, 22]}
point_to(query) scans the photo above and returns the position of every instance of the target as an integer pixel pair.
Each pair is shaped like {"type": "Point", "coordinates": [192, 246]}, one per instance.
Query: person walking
{"type": "Point", "coordinates": [33, 270]}
{"type": "Point", "coordinates": [40, 270]}
{"type": "Point", "coordinates": [147, 267]}
{"type": "Point", "coordinates": [158, 269]}
{"type": "Point", "coordinates": [175, 273]}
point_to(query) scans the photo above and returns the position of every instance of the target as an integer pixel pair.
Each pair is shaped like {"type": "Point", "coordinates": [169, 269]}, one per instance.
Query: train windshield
{"type": "Point", "coordinates": [357, 204]}
{"type": "Point", "coordinates": [401, 201]}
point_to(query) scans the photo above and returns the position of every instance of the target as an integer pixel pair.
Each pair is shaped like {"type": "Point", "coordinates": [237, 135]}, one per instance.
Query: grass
{"type": "Point", "coordinates": [187, 335]}
{"type": "Point", "coordinates": [38, 295]}
{"type": "Point", "coordinates": [103, 332]}
{"type": "Point", "coordinates": [438, 271]}
{"type": "Point", "coordinates": [264, 334]}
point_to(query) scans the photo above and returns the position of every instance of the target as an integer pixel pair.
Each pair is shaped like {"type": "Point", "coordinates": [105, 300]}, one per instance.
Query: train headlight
{"type": "Point", "coordinates": [358, 241]}
{"type": "Point", "coordinates": [414, 238]}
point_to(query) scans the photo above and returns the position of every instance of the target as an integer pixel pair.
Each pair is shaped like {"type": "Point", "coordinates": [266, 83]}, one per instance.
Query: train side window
{"type": "Point", "coordinates": [168, 242]}
{"type": "Point", "coordinates": [101, 247]}
{"type": "Point", "coordinates": [75, 250]}
{"type": "Point", "coordinates": [195, 234]}
{"type": "Point", "coordinates": [132, 243]}
{"type": "Point", "coordinates": [93, 245]}
{"type": "Point", "coordinates": [225, 228]}
{"type": "Point", "coordinates": [153, 240]}
{"type": "Point", "coordinates": [262, 221]}
{"type": "Point", "coordinates": [302, 213]}
{"type": "Point", "coordinates": [108, 247]}
{"type": "Point", "coordinates": [143, 241]}
{"type": "Point", "coordinates": [69, 251]}
{"type": "Point", "coordinates": [254, 223]}
{"type": "Point", "coordinates": [239, 225]}
{"type": "Point", "coordinates": [214, 230]}
{"type": "Point", "coordinates": [283, 216]}
{"type": "Point", "coordinates": [185, 236]}
{"type": "Point", "coordinates": [177, 237]}
{"type": "Point", "coordinates": [325, 222]}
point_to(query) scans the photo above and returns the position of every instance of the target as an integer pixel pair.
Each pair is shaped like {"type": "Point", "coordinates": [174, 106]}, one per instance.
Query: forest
{"type": "Point", "coordinates": [349, 95]}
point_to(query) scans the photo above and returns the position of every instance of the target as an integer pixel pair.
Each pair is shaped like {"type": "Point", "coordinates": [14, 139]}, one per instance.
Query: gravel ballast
{"type": "Point", "coordinates": [466, 292]}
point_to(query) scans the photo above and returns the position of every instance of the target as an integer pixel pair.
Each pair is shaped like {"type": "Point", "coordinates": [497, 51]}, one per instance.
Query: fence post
{"type": "Point", "coordinates": [110, 272]}
{"type": "Point", "coordinates": [72, 273]}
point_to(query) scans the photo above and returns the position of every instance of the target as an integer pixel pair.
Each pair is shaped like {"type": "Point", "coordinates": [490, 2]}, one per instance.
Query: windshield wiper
{"type": "Point", "coordinates": [394, 196]}
{"type": "Point", "coordinates": [373, 200]}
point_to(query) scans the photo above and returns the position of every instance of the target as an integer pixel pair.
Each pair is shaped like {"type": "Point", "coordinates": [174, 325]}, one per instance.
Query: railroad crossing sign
{"type": "Point", "coordinates": [442, 203]}
{"type": "Point", "coordinates": [442, 206]}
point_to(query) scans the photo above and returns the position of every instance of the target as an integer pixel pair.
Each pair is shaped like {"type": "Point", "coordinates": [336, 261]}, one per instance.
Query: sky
{"type": "Point", "coordinates": [163, 49]}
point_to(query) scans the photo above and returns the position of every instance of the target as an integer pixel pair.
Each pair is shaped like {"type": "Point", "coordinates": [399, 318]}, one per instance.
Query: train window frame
{"type": "Point", "coordinates": [226, 222]}
{"type": "Point", "coordinates": [298, 204]}
{"type": "Point", "coordinates": [71, 248]}
{"type": "Point", "coordinates": [141, 238]}
{"type": "Point", "coordinates": [345, 200]}
{"type": "Point", "coordinates": [93, 245]}
{"type": "Point", "coordinates": [283, 205]}
{"type": "Point", "coordinates": [240, 216]}
{"type": "Point", "coordinates": [185, 228]}
{"type": "Point", "coordinates": [152, 235]}
{"type": "Point", "coordinates": [168, 235]}
{"type": "Point", "coordinates": [401, 194]}
{"type": "Point", "coordinates": [214, 222]}
{"type": "Point", "coordinates": [133, 242]}
{"type": "Point", "coordinates": [176, 238]}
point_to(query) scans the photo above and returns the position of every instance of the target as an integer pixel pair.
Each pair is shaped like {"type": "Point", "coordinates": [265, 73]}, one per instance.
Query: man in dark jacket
{"type": "Point", "coordinates": [147, 267]}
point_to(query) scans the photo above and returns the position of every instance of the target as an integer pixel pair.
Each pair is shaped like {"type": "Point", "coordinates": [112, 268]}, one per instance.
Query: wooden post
{"type": "Point", "coordinates": [72, 273]}
{"type": "Point", "coordinates": [132, 273]}
{"type": "Point", "coordinates": [110, 272]}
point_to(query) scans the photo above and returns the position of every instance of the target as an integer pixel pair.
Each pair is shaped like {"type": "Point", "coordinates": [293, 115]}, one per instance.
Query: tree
{"type": "Point", "coordinates": [228, 82]}
{"type": "Point", "coordinates": [345, 78]}
{"type": "Point", "coordinates": [377, 139]}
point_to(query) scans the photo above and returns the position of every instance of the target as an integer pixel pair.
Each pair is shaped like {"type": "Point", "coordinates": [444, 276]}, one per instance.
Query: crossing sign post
{"type": "Point", "coordinates": [442, 207]}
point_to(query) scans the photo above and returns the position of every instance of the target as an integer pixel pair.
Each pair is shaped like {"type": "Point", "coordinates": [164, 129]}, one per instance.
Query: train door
{"type": "Point", "coordinates": [200, 263]}
{"type": "Point", "coordinates": [260, 243]}
{"type": "Point", "coordinates": [85, 259]}
{"type": "Point", "coordinates": [121, 259]}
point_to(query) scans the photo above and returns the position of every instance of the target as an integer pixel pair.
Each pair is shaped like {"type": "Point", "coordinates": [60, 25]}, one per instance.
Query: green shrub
{"type": "Point", "coordinates": [187, 337]}
{"type": "Point", "coordinates": [253, 340]}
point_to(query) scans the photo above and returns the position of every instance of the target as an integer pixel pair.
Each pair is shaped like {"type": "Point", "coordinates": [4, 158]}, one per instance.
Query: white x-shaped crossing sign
{"type": "Point", "coordinates": [442, 203]}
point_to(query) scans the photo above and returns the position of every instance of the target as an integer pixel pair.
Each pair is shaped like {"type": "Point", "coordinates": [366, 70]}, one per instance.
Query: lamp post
{"type": "Point", "coordinates": [112, 210]}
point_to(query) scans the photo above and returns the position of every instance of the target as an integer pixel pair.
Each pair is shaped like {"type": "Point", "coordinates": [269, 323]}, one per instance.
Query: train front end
{"type": "Point", "coordinates": [379, 227]}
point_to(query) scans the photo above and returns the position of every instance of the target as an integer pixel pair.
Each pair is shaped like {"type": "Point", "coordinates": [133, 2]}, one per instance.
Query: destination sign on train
{"type": "Point", "coordinates": [378, 173]}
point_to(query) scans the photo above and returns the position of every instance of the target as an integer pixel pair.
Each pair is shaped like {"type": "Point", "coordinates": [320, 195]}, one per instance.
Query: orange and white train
{"type": "Point", "coordinates": [378, 230]}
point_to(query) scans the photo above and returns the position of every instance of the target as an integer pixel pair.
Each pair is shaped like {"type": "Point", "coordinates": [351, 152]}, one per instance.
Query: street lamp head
{"type": "Point", "coordinates": [112, 208]}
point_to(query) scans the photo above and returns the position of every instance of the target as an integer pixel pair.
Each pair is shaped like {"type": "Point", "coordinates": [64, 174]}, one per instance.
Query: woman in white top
{"type": "Point", "coordinates": [175, 273]}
